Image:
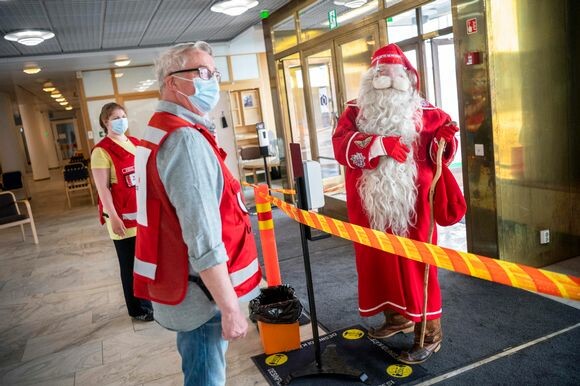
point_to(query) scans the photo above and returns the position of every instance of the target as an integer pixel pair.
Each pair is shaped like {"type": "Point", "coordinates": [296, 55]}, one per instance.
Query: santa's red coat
{"type": "Point", "coordinates": [387, 281]}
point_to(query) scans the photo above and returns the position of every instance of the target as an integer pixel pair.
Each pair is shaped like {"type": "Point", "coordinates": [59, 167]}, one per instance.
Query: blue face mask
{"type": "Point", "coordinates": [119, 126]}
{"type": "Point", "coordinates": [207, 94]}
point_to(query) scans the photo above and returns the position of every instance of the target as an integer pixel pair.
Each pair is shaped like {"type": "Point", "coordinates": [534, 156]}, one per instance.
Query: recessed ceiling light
{"type": "Point", "coordinates": [233, 7]}
{"type": "Point", "coordinates": [32, 69]}
{"type": "Point", "coordinates": [29, 37]}
{"type": "Point", "coordinates": [55, 94]}
{"type": "Point", "coordinates": [63, 103]}
{"type": "Point", "coordinates": [68, 108]}
{"type": "Point", "coordinates": [60, 99]}
{"type": "Point", "coordinates": [122, 62]}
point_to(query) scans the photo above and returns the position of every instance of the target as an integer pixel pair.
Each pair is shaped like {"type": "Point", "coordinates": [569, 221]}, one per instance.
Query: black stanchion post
{"type": "Point", "coordinates": [328, 363]}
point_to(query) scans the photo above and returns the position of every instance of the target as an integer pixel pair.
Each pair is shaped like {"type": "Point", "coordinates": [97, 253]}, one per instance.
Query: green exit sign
{"type": "Point", "coordinates": [332, 20]}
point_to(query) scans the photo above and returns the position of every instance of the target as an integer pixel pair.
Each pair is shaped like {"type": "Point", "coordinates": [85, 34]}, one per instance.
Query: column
{"type": "Point", "coordinates": [11, 152]}
{"type": "Point", "coordinates": [33, 133]}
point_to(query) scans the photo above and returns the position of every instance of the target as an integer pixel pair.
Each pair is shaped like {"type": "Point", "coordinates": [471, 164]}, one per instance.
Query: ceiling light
{"type": "Point", "coordinates": [122, 62]}
{"type": "Point", "coordinates": [48, 87]}
{"type": "Point", "coordinates": [31, 69]}
{"type": "Point", "coordinates": [63, 103]}
{"type": "Point", "coordinates": [351, 3]}
{"type": "Point", "coordinates": [68, 108]}
{"type": "Point", "coordinates": [60, 99]}
{"type": "Point", "coordinates": [55, 94]}
{"type": "Point", "coordinates": [233, 7]}
{"type": "Point", "coordinates": [118, 74]}
{"type": "Point", "coordinates": [29, 37]}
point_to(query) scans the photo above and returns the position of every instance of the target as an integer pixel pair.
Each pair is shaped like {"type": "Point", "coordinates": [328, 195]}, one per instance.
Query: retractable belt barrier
{"type": "Point", "coordinates": [498, 271]}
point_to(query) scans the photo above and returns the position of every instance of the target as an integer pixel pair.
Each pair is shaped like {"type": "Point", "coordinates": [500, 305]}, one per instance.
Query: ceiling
{"type": "Point", "coordinates": [91, 34]}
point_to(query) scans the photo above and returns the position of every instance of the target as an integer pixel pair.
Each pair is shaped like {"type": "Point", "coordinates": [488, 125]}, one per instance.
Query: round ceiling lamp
{"type": "Point", "coordinates": [233, 7]}
{"type": "Point", "coordinates": [63, 103]}
{"type": "Point", "coordinates": [68, 108]}
{"type": "Point", "coordinates": [48, 87]}
{"type": "Point", "coordinates": [29, 37]}
{"type": "Point", "coordinates": [351, 3]}
{"type": "Point", "coordinates": [55, 94]}
{"type": "Point", "coordinates": [122, 62]}
{"type": "Point", "coordinates": [31, 69]}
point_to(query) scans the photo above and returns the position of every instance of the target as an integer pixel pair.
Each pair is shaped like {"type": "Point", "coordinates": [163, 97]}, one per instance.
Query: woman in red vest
{"type": "Point", "coordinates": [113, 167]}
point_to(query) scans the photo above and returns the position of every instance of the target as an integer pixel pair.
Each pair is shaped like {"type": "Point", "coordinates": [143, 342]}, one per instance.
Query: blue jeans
{"type": "Point", "coordinates": [203, 354]}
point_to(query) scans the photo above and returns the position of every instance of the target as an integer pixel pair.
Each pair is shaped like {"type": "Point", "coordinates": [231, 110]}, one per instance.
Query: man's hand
{"type": "Point", "coordinates": [234, 325]}
{"type": "Point", "coordinates": [446, 132]}
{"type": "Point", "coordinates": [117, 225]}
{"type": "Point", "coordinates": [395, 149]}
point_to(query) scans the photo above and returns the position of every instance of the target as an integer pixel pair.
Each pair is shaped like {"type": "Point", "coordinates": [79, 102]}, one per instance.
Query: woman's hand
{"type": "Point", "coordinates": [117, 225]}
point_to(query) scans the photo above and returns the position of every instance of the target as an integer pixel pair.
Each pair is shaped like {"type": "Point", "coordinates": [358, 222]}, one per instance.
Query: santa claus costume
{"type": "Point", "coordinates": [385, 140]}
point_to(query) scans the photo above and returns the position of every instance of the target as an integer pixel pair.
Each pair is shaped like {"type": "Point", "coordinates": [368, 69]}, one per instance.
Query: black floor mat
{"type": "Point", "coordinates": [349, 351]}
{"type": "Point", "coordinates": [480, 318]}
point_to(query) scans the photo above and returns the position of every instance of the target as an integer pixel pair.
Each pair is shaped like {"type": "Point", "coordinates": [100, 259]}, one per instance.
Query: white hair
{"type": "Point", "coordinates": [175, 57]}
{"type": "Point", "coordinates": [389, 192]}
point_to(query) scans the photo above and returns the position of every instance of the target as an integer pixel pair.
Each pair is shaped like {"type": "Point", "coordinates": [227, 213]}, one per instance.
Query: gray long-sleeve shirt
{"type": "Point", "coordinates": [191, 175]}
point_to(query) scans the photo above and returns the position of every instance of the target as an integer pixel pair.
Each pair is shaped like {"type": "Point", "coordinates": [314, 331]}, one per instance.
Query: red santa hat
{"type": "Point", "coordinates": [392, 54]}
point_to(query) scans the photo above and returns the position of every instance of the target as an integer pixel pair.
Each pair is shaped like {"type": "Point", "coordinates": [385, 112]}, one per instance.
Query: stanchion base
{"type": "Point", "coordinates": [332, 367]}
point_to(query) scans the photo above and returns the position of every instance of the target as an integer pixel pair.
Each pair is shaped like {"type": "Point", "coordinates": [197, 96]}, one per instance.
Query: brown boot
{"type": "Point", "coordinates": [432, 343]}
{"type": "Point", "coordinates": [394, 323]}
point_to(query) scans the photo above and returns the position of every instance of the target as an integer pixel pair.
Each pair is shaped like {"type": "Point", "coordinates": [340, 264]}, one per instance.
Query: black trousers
{"type": "Point", "coordinates": [126, 254]}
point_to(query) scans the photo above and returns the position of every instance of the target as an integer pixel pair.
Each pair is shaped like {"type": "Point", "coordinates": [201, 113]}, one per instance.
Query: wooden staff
{"type": "Point", "coordinates": [440, 150]}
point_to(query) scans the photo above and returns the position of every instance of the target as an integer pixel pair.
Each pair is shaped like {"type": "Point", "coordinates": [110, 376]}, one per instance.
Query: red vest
{"type": "Point", "coordinates": [123, 191]}
{"type": "Point", "coordinates": [161, 267]}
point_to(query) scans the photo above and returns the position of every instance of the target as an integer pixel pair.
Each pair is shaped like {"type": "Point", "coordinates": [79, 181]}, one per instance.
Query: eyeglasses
{"type": "Point", "coordinates": [204, 73]}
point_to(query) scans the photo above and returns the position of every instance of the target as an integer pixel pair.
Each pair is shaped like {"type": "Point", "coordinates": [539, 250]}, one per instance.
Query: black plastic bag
{"type": "Point", "coordinates": [276, 305]}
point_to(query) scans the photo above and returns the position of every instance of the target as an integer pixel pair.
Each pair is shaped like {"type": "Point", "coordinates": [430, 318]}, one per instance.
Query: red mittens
{"type": "Point", "coordinates": [446, 132]}
{"type": "Point", "coordinates": [395, 149]}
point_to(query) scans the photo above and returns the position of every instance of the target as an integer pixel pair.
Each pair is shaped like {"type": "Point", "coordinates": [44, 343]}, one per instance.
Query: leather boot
{"type": "Point", "coordinates": [432, 343]}
{"type": "Point", "coordinates": [394, 323]}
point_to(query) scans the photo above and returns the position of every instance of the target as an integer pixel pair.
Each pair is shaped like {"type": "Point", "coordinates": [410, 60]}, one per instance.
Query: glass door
{"type": "Point", "coordinates": [353, 57]}
{"type": "Point", "coordinates": [66, 139]}
{"type": "Point", "coordinates": [324, 114]}
{"type": "Point", "coordinates": [295, 119]}
{"type": "Point", "coordinates": [440, 58]}
{"type": "Point", "coordinates": [353, 53]}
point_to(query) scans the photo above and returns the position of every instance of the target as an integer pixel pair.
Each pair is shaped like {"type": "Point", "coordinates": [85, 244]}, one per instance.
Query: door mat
{"type": "Point", "coordinates": [349, 351]}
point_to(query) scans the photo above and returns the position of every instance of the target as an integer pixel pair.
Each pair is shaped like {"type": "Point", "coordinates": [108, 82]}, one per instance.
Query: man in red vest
{"type": "Point", "coordinates": [385, 139]}
{"type": "Point", "coordinates": [195, 256]}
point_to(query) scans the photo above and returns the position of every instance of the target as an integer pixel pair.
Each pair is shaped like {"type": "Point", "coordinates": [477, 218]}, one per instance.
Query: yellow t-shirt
{"type": "Point", "coordinates": [100, 159]}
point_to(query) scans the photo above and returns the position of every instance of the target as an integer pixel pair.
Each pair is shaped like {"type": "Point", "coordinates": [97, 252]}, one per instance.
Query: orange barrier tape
{"type": "Point", "coordinates": [283, 191]}
{"type": "Point", "coordinates": [498, 271]}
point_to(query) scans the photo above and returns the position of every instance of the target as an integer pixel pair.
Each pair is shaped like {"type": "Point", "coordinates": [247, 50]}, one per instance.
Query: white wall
{"type": "Point", "coordinates": [225, 135]}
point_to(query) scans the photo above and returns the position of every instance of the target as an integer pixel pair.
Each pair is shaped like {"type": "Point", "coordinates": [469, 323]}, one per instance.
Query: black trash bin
{"type": "Point", "coordinates": [276, 305]}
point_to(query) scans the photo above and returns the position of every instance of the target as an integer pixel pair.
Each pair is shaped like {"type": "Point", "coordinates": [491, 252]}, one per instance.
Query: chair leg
{"type": "Point", "coordinates": [33, 226]}
{"type": "Point", "coordinates": [67, 197]}
{"type": "Point", "coordinates": [23, 233]}
{"type": "Point", "coordinates": [91, 191]}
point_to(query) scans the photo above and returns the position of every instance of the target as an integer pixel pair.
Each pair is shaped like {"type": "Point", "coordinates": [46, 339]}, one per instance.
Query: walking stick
{"type": "Point", "coordinates": [440, 151]}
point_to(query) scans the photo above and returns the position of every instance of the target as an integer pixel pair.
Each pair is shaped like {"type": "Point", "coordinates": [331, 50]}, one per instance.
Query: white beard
{"type": "Point", "coordinates": [389, 192]}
